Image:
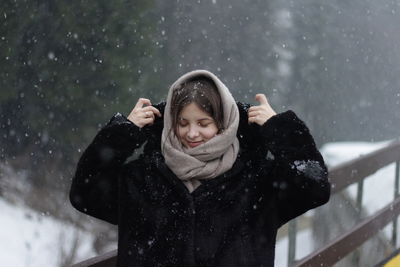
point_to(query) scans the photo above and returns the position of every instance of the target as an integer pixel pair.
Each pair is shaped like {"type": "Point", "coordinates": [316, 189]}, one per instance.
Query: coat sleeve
{"type": "Point", "coordinates": [94, 188]}
{"type": "Point", "coordinates": [299, 176]}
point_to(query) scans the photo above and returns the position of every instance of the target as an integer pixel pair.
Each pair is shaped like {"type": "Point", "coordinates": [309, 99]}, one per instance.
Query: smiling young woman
{"type": "Point", "coordinates": [195, 127]}
{"type": "Point", "coordinates": [215, 181]}
{"type": "Point", "coordinates": [196, 112]}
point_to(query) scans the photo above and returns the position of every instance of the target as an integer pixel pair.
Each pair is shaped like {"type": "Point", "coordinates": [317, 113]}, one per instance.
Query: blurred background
{"type": "Point", "coordinates": [67, 66]}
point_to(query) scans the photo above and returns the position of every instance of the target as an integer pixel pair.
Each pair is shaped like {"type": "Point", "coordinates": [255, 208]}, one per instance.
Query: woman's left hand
{"type": "Point", "coordinates": [261, 113]}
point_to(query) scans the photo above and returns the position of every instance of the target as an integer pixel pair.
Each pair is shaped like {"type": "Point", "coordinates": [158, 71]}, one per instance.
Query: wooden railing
{"type": "Point", "coordinates": [346, 174]}
{"type": "Point", "coordinates": [106, 260]}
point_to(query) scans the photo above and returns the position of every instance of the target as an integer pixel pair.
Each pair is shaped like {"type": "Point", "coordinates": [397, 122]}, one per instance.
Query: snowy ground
{"type": "Point", "coordinates": [30, 239]}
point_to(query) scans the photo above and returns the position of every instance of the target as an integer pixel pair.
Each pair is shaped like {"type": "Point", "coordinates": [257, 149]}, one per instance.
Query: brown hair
{"type": "Point", "coordinates": [202, 91]}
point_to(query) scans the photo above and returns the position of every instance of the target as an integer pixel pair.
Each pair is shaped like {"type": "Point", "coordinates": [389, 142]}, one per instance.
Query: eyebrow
{"type": "Point", "coordinates": [202, 119]}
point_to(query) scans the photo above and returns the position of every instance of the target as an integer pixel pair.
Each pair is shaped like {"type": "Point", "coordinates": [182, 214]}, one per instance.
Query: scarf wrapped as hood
{"type": "Point", "coordinates": [209, 159]}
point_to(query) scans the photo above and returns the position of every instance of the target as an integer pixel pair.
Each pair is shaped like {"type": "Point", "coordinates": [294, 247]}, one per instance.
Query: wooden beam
{"type": "Point", "coordinates": [355, 170]}
{"type": "Point", "coordinates": [106, 260]}
{"type": "Point", "coordinates": [349, 241]}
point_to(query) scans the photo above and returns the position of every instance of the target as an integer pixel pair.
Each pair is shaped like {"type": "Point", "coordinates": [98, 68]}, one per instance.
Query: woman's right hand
{"type": "Point", "coordinates": [143, 113]}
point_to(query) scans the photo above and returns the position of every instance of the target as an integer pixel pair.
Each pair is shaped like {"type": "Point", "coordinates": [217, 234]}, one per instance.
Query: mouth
{"type": "Point", "coordinates": [194, 144]}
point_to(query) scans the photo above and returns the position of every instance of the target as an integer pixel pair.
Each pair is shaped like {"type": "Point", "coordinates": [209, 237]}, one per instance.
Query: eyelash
{"type": "Point", "coordinates": [201, 125]}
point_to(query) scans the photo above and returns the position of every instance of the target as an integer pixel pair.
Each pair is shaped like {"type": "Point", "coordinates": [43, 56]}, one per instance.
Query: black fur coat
{"type": "Point", "coordinates": [231, 220]}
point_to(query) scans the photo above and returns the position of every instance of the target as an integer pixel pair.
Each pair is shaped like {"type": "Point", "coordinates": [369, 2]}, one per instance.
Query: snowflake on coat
{"type": "Point", "coordinates": [310, 168]}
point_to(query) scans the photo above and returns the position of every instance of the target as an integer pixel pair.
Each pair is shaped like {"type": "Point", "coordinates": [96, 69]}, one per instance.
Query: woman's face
{"type": "Point", "coordinates": [195, 126]}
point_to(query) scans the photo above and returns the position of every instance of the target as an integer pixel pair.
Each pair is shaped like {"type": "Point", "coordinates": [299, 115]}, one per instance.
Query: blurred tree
{"type": "Point", "coordinates": [66, 66]}
{"type": "Point", "coordinates": [344, 66]}
{"type": "Point", "coordinates": [309, 89]}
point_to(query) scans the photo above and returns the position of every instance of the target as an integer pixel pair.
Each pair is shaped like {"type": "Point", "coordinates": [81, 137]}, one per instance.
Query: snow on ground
{"type": "Point", "coordinates": [339, 152]}
{"type": "Point", "coordinates": [31, 239]}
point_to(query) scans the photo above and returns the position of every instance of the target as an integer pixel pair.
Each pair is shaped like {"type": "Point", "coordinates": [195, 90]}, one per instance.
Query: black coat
{"type": "Point", "coordinates": [231, 220]}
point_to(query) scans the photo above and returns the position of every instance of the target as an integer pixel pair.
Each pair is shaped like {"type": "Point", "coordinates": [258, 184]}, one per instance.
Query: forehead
{"type": "Point", "coordinates": [193, 111]}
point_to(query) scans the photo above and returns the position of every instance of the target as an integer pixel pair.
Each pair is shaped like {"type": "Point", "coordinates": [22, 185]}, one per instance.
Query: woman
{"type": "Point", "coordinates": [215, 181]}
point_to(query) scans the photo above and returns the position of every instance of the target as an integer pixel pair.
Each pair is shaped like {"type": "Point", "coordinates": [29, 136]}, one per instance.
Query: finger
{"type": "Point", "coordinates": [156, 111]}
{"type": "Point", "coordinates": [141, 102]}
{"type": "Point", "coordinates": [147, 121]}
{"type": "Point", "coordinates": [252, 119]}
{"type": "Point", "coordinates": [254, 113]}
{"type": "Point", "coordinates": [153, 110]}
{"type": "Point", "coordinates": [148, 114]}
{"type": "Point", "coordinates": [256, 108]}
{"type": "Point", "coordinates": [262, 99]}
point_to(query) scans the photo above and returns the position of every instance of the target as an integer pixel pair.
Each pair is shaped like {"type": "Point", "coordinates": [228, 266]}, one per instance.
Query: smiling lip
{"type": "Point", "coordinates": [194, 144]}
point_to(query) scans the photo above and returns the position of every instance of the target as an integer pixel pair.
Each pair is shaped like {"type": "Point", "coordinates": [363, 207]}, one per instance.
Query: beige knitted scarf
{"type": "Point", "coordinates": [207, 160]}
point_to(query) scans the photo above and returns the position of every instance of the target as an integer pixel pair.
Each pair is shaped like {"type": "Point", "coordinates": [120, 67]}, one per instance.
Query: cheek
{"type": "Point", "coordinates": [210, 133]}
{"type": "Point", "coordinates": [180, 132]}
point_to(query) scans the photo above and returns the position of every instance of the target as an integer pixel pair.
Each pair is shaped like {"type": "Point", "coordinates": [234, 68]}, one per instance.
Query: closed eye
{"type": "Point", "coordinates": [204, 124]}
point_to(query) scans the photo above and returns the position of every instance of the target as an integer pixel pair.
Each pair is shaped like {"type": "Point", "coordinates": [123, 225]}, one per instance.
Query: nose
{"type": "Point", "coordinates": [193, 132]}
